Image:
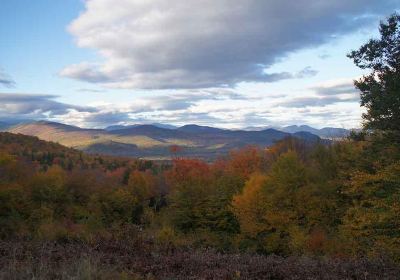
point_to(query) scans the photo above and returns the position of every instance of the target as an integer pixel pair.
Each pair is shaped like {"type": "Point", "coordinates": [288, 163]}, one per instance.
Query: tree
{"type": "Point", "coordinates": [246, 161]}
{"type": "Point", "coordinates": [272, 209]}
{"type": "Point", "coordinates": [189, 182]}
{"type": "Point", "coordinates": [380, 89]}
{"type": "Point", "coordinates": [198, 200]}
{"type": "Point", "coordinates": [141, 185]}
{"type": "Point", "coordinates": [250, 207]}
{"type": "Point", "coordinates": [289, 210]}
{"type": "Point", "coordinates": [372, 221]}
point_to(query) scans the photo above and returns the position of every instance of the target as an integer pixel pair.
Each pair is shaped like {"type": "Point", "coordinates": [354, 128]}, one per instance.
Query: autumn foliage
{"type": "Point", "coordinates": [340, 199]}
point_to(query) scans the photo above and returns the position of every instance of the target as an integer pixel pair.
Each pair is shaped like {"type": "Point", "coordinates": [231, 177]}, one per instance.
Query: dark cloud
{"type": "Point", "coordinates": [275, 77]}
{"type": "Point", "coordinates": [162, 44]}
{"type": "Point", "coordinates": [6, 80]}
{"type": "Point", "coordinates": [325, 95]}
{"type": "Point", "coordinates": [344, 88]}
{"type": "Point", "coordinates": [184, 100]}
{"type": "Point", "coordinates": [104, 118]}
{"type": "Point", "coordinates": [306, 73]}
{"type": "Point", "coordinates": [34, 105]}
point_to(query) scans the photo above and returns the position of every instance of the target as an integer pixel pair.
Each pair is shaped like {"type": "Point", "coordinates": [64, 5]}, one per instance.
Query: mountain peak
{"type": "Point", "coordinates": [199, 128]}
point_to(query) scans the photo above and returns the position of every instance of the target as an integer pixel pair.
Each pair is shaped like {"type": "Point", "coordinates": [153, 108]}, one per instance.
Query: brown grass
{"type": "Point", "coordinates": [139, 259]}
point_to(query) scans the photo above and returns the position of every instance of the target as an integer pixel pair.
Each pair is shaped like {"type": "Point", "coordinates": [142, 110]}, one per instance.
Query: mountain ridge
{"type": "Point", "coordinates": [151, 141]}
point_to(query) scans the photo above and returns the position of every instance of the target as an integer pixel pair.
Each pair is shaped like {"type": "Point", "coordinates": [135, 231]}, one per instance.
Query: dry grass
{"type": "Point", "coordinates": [126, 259]}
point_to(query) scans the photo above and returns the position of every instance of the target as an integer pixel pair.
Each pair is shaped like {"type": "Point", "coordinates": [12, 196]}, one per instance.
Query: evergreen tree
{"type": "Point", "coordinates": [380, 89]}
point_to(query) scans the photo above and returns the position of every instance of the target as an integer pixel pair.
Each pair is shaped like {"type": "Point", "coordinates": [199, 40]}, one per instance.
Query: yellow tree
{"type": "Point", "coordinates": [250, 207]}
{"type": "Point", "coordinates": [271, 208]}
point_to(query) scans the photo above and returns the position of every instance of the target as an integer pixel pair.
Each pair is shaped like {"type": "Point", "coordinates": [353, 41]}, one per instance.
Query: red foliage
{"type": "Point", "coordinates": [188, 170]}
{"type": "Point", "coordinates": [246, 161]}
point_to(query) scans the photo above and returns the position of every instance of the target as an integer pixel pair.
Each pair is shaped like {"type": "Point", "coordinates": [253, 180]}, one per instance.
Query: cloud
{"type": "Point", "coordinates": [34, 106]}
{"type": "Point", "coordinates": [213, 106]}
{"type": "Point", "coordinates": [6, 80]}
{"type": "Point", "coordinates": [91, 90]}
{"type": "Point", "coordinates": [185, 99]}
{"type": "Point", "coordinates": [172, 106]}
{"type": "Point", "coordinates": [160, 44]}
{"type": "Point", "coordinates": [346, 87]}
{"type": "Point", "coordinates": [99, 117]}
{"type": "Point", "coordinates": [329, 93]}
{"type": "Point", "coordinates": [306, 72]}
{"type": "Point", "coordinates": [312, 101]}
{"type": "Point", "coordinates": [324, 56]}
{"type": "Point", "coordinates": [275, 77]}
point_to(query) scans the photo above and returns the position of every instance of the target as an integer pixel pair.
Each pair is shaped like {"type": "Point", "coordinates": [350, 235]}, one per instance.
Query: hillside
{"type": "Point", "coordinates": [42, 154]}
{"type": "Point", "coordinates": [154, 141]}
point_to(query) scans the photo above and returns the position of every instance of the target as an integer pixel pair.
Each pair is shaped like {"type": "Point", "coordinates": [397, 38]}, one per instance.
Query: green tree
{"type": "Point", "coordinates": [372, 222]}
{"type": "Point", "coordinates": [198, 200]}
{"type": "Point", "coordinates": [380, 89]}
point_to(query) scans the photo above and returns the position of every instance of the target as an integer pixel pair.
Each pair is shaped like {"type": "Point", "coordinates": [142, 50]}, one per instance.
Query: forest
{"type": "Point", "coordinates": [311, 211]}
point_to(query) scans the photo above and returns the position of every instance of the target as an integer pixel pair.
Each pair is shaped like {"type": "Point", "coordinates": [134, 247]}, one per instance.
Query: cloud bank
{"type": "Point", "coordinates": [332, 103]}
{"type": "Point", "coordinates": [180, 44]}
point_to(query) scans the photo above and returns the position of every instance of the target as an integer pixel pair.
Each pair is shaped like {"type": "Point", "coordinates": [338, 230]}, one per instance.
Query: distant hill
{"type": "Point", "coordinates": [154, 142]}
{"type": "Point", "coordinates": [326, 132]}
{"type": "Point", "coordinates": [118, 127]}
{"type": "Point", "coordinates": [200, 129]}
{"type": "Point", "coordinates": [70, 136]}
{"type": "Point", "coordinates": [4, 126]}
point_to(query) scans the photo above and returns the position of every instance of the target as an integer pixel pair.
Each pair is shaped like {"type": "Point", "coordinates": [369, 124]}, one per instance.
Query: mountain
{"type": "Point", "coordinates": [307, 136]}
{"type": "Point", "coordinates": [116, 127]}
{"type": "Point", "coordinates": [326, 132]}
{"type": "Point", "coordinates": [154, 142]}
{"type": "Point", "coordinates": [333, 132]}
{"type": "Point", "coordinates": [163, 125]}
{"type": "Point", "coordinates": [67, 135]}
{"type": "Point", "coordinates": [199, 129]}
{"type": "Point", "coordinates": [298, 128]}
{"type": "Point", "coordinates": [119, 127]}
{"type": "Point", "coordinates": [8, 123]}
{"type": "Point", "coordinates": [4, 126]}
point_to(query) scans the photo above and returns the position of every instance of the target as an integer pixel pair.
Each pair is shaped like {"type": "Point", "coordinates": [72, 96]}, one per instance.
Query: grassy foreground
{"type": "Point", "coordinates": [143, 259]}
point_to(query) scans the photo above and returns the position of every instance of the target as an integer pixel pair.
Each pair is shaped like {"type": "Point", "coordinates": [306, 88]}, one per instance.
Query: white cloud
{"type": "Point", "coordinates": [158, 44]}
{"type": "Point", "coordinates": [330, 103]}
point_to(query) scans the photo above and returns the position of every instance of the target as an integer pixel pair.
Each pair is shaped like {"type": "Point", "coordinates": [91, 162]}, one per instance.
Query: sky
{"type": "Point", "coordinates": [230, 64]}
